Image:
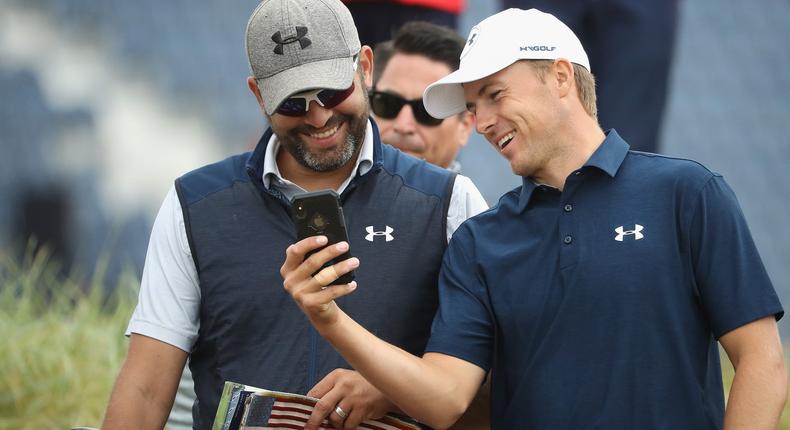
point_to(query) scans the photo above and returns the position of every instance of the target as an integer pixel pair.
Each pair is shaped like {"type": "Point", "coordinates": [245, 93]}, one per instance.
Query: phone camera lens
{"type": "Point", "coordinates": [300, 212]}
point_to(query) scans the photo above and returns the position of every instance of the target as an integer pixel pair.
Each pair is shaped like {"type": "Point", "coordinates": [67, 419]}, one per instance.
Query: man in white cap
{"type": "Point", "coordinates": [595, 293]}
{"type": "Point", "coordinates": [211, 287]}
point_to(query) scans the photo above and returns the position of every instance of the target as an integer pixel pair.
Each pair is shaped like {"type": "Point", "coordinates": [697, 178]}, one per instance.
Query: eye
{"type": "Point", "coordinates": [495, 95]}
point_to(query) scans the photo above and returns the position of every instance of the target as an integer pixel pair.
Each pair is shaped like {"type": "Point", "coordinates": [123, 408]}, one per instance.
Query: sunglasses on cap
{"type": "Point", "coordinates": [388, 106]}
{"type": "Point", "coordinates": [298, 104]}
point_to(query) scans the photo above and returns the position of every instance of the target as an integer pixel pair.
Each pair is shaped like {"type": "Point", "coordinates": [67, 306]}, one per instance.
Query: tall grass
{"type": "Point", "coordinates": [62, 344]}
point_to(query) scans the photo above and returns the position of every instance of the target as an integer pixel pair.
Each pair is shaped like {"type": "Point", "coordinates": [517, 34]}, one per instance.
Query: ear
{"type": "Point", "coordinates": [563, 72]}
{"type": "Point", "coordinates": [366, 65]}
{"type": "Point", "coordinates": [253, 85]}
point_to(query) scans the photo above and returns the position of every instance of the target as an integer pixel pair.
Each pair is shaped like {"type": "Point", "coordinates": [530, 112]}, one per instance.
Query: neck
{"type": "Point", "coordinates": [573, 148]}
{"type": "Point", "coordinates": [310, 179]}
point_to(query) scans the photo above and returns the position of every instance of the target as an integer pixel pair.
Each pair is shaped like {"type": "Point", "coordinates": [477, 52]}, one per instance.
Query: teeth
{"type": "Point", "coordinates": [325, 134]}
{"type": "Point", "coordinates": [505, 140]}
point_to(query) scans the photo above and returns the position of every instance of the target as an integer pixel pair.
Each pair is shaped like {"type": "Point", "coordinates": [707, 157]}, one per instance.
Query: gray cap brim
{"type": "Point", "coordinates": [333, 74]}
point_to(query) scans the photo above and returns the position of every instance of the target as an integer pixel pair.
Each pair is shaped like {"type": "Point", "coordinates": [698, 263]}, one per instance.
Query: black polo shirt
{"type": "Point", "coordinates": [600, 306]}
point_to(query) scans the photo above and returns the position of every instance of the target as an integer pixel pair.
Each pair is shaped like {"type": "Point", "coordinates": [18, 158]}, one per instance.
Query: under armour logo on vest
{"type": "Point", "coordinates": [301, 32]}
{"type": "Point", "coordinates": [387, 233]}
{"type": "Point", "coordinates": [637, 232]}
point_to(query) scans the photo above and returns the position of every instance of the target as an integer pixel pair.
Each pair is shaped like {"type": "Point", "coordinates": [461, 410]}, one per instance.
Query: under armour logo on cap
{"type": "Point", "coordinates": [387, 233]}
{"type": "Point", "coordinates": [636, 232]}
{"type": "Point", "coordinates": [470, 41]}
{"type": "Point", "coordinates": [301, 32]}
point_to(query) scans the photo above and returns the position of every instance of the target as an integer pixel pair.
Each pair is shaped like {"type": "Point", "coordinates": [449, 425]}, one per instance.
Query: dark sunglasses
{"type": "Point", "coordinates": [298, 104]}
{"type": "Point", "coordinates": [388, 106]}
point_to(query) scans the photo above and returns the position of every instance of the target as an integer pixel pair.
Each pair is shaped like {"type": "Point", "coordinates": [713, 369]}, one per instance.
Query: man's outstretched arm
{"type": "Point", "coordinates": [435, 389]}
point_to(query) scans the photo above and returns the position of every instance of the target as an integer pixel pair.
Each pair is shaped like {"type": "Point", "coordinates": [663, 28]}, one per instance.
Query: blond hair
{"type": "Point", "coordinates": [585, 83]}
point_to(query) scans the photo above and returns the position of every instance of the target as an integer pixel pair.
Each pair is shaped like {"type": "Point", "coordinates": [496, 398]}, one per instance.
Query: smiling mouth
{"type": "Point", "coordinates": [326, 133]}
{"type": "Point", "coordinates": [505, 140]}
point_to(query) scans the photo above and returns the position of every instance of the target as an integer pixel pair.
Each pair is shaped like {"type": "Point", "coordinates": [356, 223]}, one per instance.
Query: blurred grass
{"type": "Point", "coordinates": [62, 343]}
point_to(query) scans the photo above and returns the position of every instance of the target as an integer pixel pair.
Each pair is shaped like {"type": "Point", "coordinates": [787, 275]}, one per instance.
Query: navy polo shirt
{"type": "Point", "coordinates": [600, 306]}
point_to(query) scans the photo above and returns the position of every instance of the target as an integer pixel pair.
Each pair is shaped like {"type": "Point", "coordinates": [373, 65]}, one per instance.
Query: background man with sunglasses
{"type": "Point", "coordinates": [212, 288]}
{"type": "Point", "coordinates": [418, 54]}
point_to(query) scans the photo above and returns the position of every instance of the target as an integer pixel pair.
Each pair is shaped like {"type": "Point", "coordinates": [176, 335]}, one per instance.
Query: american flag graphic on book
{"type": "Point", "coordinates": [243, 407]}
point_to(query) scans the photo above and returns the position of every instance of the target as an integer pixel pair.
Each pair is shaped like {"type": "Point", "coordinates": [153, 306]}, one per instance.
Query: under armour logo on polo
{"type": "Point", "coordinates": [387, 233]}
{"type": "Point", "coordinates": [301, 32]}
{"type": "Point", "coordinates": [636, 232]}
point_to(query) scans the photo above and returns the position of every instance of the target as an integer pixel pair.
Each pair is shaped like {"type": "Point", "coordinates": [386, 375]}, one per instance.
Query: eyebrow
{"type": "Point", "coordinates": [484, 88]}
{"type": "Point", "coordinates": [470, 106]}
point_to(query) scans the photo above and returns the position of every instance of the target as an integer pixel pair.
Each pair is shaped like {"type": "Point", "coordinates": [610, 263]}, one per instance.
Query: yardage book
{"type": "Point", "coordinates": [243, 407]}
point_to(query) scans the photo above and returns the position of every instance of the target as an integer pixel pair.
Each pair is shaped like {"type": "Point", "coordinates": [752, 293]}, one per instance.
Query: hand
{"type": "Point", "coordinates": [313, 294]}
{"type": "Point", "coordinates": [353, 394]}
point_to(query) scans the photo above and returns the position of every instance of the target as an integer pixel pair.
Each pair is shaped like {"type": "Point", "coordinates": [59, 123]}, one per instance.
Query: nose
{"type": "Point", "coordinates": [317, 115]}
{"type": "Point", "coordinates": [404, 123]}
{"type": "Point", "coordinates": [484, 120]}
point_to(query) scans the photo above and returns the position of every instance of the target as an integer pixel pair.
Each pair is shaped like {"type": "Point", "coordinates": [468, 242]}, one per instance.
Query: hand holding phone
{"type": "Point", "coordinates": [320, 213]}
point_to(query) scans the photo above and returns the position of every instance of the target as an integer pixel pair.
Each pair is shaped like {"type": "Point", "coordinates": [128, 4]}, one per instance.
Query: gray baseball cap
{"type": "Point", "coordinates": [298, 45]}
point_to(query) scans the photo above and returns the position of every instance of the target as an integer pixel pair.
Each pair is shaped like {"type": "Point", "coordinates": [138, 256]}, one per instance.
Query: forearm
{"type": "Point", "coordinates": [146, 386]}
{"type": "Point", "coordinates": [131, 407]}
{"type": "Point", "coordinates": [420, 387]}
{"type": "Point", "coordinates": [758, 394]}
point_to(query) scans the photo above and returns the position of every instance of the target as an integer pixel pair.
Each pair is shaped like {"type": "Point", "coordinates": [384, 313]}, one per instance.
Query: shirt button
{"type": "Point", "coordinates": [568, 239]}
{"type": "Point", "coordinates": [577, 173]}
{"type": "Point", "coordinates": [568, 207]}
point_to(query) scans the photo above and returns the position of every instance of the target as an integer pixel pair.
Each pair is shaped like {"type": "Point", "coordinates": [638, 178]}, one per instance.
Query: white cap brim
{"type": "Point", "coordinates": [445, 97]}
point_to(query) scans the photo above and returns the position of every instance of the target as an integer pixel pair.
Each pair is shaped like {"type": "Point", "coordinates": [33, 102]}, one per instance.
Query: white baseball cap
{"type": "Point", "coordinates": [497, 42]}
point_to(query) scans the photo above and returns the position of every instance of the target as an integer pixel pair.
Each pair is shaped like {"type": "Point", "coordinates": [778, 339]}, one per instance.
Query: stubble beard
{"type": "Point", "coordinates": [325, 160]}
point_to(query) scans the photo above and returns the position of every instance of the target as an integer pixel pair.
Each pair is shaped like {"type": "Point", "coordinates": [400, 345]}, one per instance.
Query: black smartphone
{"type": "Point", "coordinates": [320, 213]}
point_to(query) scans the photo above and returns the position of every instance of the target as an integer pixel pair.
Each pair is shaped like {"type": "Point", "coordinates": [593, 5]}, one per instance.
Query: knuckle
{"type": "Point", "coordinates": [321, 406]}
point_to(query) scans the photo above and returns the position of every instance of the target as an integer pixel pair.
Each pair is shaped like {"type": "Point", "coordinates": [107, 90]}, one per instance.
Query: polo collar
{"type": "Point", "coordinates": [610, 154]}
{"type": "Point", "coordinates": [607, 158]}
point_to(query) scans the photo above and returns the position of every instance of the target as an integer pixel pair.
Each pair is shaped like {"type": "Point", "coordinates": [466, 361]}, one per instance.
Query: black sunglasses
{"type": "Point", "coordinates": [388, 106]}
{"type": "Point", "coordinates": [298, 104]}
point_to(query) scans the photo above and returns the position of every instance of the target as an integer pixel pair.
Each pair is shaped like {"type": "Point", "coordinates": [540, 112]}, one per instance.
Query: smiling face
{"type": "Point", "coordinates": [324, 139]}
{"type": "Point", "coordinates": [407, 75]}
{"type": "Point", "coordinates": [519, 115]}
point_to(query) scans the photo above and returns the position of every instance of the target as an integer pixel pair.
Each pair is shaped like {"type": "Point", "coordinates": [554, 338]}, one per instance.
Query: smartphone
{"type": "Point", "coordinates": [320, 213]}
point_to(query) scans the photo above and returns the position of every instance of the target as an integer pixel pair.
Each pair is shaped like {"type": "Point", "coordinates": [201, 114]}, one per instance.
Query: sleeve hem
{"type": "Point", "coordinates": [777, 312]}
{"type": "Point", "coordinates": [180, 341]}
{"type": "Point", "coordinates": [465, 356]}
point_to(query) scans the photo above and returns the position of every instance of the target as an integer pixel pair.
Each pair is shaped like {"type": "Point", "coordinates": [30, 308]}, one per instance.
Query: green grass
{"type": "Point", "coordinates": [62, 344]}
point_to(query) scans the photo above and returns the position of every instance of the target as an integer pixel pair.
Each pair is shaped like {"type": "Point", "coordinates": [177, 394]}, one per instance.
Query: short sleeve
{"type": "Point", "coordinates": [169, 302]}
{"type": "Point", "coordinates": [463, 326]}
{"type": "Point", "coordinates": [733, 284]}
